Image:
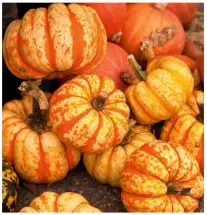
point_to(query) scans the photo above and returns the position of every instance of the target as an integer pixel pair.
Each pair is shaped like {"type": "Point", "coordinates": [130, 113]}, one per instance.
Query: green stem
{"type": "Point", "coordinates": [136, 67]}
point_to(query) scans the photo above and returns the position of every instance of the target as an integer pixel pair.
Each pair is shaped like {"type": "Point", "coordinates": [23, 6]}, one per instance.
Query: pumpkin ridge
{"type": "Point", "coordinates": [116, 110]}
{"type": "Point", "coordinates": [89, 86]}
{"type": "Point", "coordinates": [69, 156]}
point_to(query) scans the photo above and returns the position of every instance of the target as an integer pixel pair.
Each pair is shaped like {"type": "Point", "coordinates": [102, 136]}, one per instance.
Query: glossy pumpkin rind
{"type": "Point", "coordinates": [68, 202]}
{"type": "Point", "coordinates": [10, 184]}
{"type": "Point", "coordinates": [79, 124]}
{"type": "Point", "coordinates": [42, 43]}
{"type": "Point", "coordinates": [107, 166]}
{"type": "Point", "coordinates": [168, 85]}
{"type": "Point", "coordinates": [148, 172]}
{"type": "Point", "coordinates": [37, 157]}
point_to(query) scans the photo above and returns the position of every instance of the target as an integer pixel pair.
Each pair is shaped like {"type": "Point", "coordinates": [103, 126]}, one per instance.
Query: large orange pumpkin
{"type": "Point", "coordinates": [50, 43]}
{"type": "Point", "coordinates": [112, 15]}
{"type": "Point", "coordinates": [149, 31]}
{"type": "Point", "coordinates": [161, 177]}
{"type": "Point", "coordinates": [186, 130]}
{"type": "Point", "coordinates": [89, 113]}
{"type": "Point", "coordinates": [28, 143]}
{"type": "Point", "coordinates": [107, 166]}
{"type": "Point", "coordinates": [184, 11]}
{"type": "Point", "coordinates": [168, 86]}
{"type": "Point", "coordinates": [68, 202]}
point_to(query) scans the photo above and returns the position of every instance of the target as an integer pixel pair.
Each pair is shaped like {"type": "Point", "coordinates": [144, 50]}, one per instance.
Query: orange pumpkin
{"type": "Point", "coordinates": [166, 89]}
{"type": "Point", "coordinates": [28, 143]}
{"type": "Point", "coordinates": [184, 11]}
{"type": "Point", "coordinates": [161, 177]}
{"type": "Point", "coordinates": [89, 113]}
{"type": "Point", "coordinates": [149, 31]}
{"type": "Point", "coordinates": [68, 202]}
{"type": "Point", "coordinates": [50, 43]}
{"type": "Point", "coordinates": [112, 15]}
{"type": "Point", "coordinates": [107, 166]}
{"type": "Point", "coordinates": [186, 130]}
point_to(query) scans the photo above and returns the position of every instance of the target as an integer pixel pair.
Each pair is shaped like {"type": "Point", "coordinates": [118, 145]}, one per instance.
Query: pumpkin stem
{"type": "Point", "coordinates": [160, 6]}
{"type": "Point", "coordinates": [172, 189]}
{"type": "Point", "coordinates": [137, 68]}
{"type": "Point", "coordinates": [99, 101]}
{"type": "Point", "coordinates": [38, 118]}
{"type": "Point", "coordinates": [116, 38]}
{"type": "Point", "coordinates": [126, 77]}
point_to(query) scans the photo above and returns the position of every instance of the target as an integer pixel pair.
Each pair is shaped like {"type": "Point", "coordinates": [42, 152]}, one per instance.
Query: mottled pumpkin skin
{"type": "Point", "coordinates": [186, 130]}
{"type": "Point", "coordinates": [10, 183]}
{"type": "Point", "coordinates": [107, 166]}
{"type": "Point", "coordinates": [168, 85]}
{"type": "Point", "coordinates": [47, 43]}
{"type": "Point", "coordinates": [149, 170]}
{"type": "Point", "coordinates": [79, 124]}
{"type": "Point", "coordinates": [68, 202]}
{"type": "Point", "coordinates": [37, 157]}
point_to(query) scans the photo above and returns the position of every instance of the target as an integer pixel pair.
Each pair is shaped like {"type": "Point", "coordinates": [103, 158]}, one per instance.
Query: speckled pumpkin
{"type": "Point", "coordinates": [50, 43]}
{"type": "Point", "coordinates": [161, 177]}
{"type": "Point", "coordinates": [68, 202]}
{"type": "Point", "coordinates": [10, 183]}
{"type": "Point", "coordinates": [89, 113]}
{"type": "Point", "coordinates": [186, 130]}
{"type": "Point", "coordinates": [38, 156]}
{"type": "Point", "coordinates": [166, 89]}
{"type": "Point", "coordinates": [107, 166]}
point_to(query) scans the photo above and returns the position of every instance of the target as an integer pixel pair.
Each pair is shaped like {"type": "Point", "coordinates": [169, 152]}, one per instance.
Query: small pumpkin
{"type": "Point", "coordinates": [162, 93]}
{"type": "Point", "coordinates": [89, 113]}
{"type": "Point", "coordinates": [186, 130]}
{"type": "Point", "coordinates": [68, 202]}
{"type": "Point", "coordinates": [28, 143]}
{"type": "Point", "coordinates": [115, 65]}
{"type": "Point", "coordinates": [161, 177]}
{"type": "Point", "coordinates": [50, 43]}
{"type": "Point", "coordinates": [10, 184]}
{"type": "Point", "coordinates": [184, 11]}
{"type": "Point", "coordinates": [113, 16]}
{"type": "Point", "coordinates": [149, 31]}
{"type": "Point", "coordinates": [107, 166]}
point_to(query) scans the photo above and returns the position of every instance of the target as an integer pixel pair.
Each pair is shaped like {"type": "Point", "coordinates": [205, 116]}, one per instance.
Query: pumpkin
{"type": "Point", "coordinates": [186, 130]}
{"type": "Point", "coordinates": [36, 152]}
{"type": "Point", "coordinates": [166, 89]}
{"type": "Point", "coordinates": [184, 11]}
{"type": "Point", "coordinates": [149, 31]}
{"type": "Point", "coordinates": [107, 166]}
{"type": "Point", "coordinates": [190, 63]}
{"type": "Point", "coordinates": [161, 177]}
{"type": "Point", "coordinates": [115, 66]}
{"type": "Point", "coordinates": [89, 113]}
{"type": "Point", "coordinates": [201, 67]}
{"type": "Point", "coordinates": [10, 184]}
{"type": "Point", "coordinates": [68, 202]}
{"type": "Point", "coordinates": [50, 43]}
{"type": "Point", "coordinates": [112, 16]}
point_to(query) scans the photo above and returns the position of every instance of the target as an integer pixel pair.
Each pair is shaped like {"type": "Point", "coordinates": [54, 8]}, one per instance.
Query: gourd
{"type": "Point", "coordinates": [68, 202]}
{"type": "Point", "coordinates": [38, 155]}
{"type": "Point", "coordinates": [50, 43]}
{"type": "Point", "coordinates": [161, 177]}
{"type": "Point", "coordinates": [89, 113]}
{"type": "Point", "coordinates": [107, 166]}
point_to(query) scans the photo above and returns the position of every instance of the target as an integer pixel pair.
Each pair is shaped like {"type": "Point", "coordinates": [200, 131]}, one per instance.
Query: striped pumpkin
{"type": "Point", "coordinates": [38, 157]}
{"type": "Point", "coordinates": [68, 202]}
{"type": "Point", "coordinates": [89, 113]}
{"type": "Point", "coordinates": [51, 43]}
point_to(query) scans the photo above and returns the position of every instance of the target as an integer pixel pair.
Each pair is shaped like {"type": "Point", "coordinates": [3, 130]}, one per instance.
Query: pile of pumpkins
{"type": "Point", "coordinates": [105, 106]}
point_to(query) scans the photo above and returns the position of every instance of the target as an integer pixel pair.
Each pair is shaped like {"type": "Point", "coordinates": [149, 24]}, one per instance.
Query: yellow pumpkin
{"type": "Point", "coordinates": [166, 89]}
{"type": "Point", "coordinates": [68, 202]}
{"type": "Point", "coordinates": [89, 113]}
{"type": "Point", "coordinates": [107, 166]}
{"type": "Point", "coordinates": [161, 177]}
{"type": "Point", "coordinates": [36, 152]}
